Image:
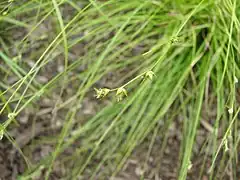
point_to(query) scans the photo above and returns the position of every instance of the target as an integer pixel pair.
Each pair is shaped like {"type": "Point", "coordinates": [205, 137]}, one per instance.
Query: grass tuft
{"type": "Point", "coordinates": [154, 65]}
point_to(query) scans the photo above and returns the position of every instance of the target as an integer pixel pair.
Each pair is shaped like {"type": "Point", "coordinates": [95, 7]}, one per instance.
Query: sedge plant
{"type": "Point", "coordinates": [149, 64]}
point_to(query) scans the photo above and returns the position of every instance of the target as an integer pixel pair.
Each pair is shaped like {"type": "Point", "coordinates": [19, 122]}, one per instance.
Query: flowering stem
{"type": "Point", "coordinates": [129, 82]}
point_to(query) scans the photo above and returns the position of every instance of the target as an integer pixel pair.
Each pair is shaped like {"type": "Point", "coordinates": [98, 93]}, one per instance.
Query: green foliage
{"type": "Point", "coordinates": [189, 50]}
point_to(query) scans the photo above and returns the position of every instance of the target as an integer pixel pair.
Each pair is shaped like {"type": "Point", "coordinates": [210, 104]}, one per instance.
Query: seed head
{"type": "Point", "coordinates": [1, 134]}
{"type": "Point", "coordinates": [226, 145]}
{"type": "Point", "coordinates": [121, 92]}
{"type": "Point", "coordinates": [11, 115]}
{"type": "Point", "coordinates": [101, 93]}
{"type": "Point", "coordinates": [235, 79]}
{"type": "Point", "coordinates": [174, 40]}
{"type": "Point", "coordinates": [230, 111]}
{"type": "Point", "coordinates": [150, 75]}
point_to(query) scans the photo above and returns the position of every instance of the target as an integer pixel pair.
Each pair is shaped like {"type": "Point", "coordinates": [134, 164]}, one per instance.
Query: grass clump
{"type": "Point", "coordinates": [169, 63]}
